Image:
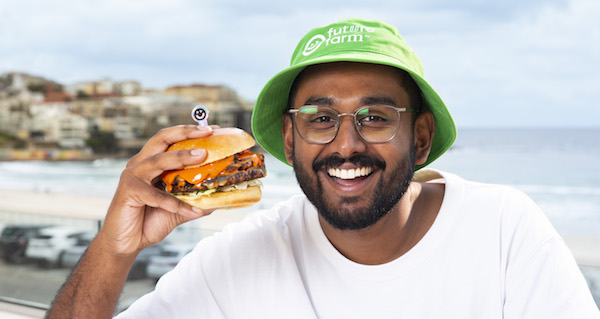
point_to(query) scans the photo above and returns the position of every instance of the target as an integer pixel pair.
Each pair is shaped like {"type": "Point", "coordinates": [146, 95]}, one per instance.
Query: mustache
{"type": "Point", "coordinates": [358, 160]}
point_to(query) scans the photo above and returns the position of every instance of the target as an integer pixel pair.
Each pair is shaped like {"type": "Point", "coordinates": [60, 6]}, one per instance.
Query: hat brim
{"type": "Point", "coordinates": [272, 103]}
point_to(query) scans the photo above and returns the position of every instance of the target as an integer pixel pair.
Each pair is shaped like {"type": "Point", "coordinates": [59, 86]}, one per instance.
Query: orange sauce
{"type": "Point", "coordinates": [197, 175]}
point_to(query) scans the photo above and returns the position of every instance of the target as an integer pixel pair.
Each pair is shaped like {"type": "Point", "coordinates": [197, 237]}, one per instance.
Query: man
{"type": "Point", "coordinates": [370, 238]}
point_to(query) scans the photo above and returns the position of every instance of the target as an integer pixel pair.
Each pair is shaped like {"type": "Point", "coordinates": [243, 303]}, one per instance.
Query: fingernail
{"type": "Point", "coordinates": [197, 210]}
{"type": "Point", "coordinates": [198, 152]}
{"type": "Point", "coordinates": [204, 128]}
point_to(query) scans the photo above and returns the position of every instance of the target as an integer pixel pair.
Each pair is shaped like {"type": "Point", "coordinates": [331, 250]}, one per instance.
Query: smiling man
{"type": "Point", "coordinates": [358, 171]}
{"type": "Point", "coordinates": [374, 235]}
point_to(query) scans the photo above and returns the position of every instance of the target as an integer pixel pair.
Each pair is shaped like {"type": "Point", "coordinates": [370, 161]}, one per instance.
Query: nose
{"type": "Point", "coordinates": [347, 141]}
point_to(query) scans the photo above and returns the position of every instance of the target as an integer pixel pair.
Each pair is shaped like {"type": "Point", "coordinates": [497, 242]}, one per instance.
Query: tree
{"type": "Point", "coordinates": [103, 142]}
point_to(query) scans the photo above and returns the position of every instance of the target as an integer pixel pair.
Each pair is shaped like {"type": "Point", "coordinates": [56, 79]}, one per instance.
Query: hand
{"type": "Point", "coordinates": [140, 214]}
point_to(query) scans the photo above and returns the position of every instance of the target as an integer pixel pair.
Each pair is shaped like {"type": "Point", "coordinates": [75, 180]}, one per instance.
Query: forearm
{"type": "Point", "coordinates": [93, 289]}
{"type": "Point", "coordinates": [140, 215]}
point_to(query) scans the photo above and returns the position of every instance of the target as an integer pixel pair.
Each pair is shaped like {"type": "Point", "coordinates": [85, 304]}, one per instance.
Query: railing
{"type": "Point", "coordinates": [21, 309]}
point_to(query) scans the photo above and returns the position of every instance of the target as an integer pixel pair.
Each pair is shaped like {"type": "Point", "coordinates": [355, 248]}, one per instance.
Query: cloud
{"type": "Point", "coordinates": [494, 62]}
{"type": "Point", "coordinates": [539, 69]}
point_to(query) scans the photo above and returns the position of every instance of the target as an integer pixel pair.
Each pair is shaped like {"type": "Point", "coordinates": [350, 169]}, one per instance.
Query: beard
{"type": "Point", "coordinates": [388, 191]}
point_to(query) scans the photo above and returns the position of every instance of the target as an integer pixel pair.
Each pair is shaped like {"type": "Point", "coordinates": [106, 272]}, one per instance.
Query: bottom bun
{"type": "Point", "coordinates": [226, 200]}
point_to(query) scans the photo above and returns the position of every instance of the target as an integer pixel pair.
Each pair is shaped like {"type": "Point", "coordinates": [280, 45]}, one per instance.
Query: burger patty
{"type": "Point", "coordinates": [240, 170]}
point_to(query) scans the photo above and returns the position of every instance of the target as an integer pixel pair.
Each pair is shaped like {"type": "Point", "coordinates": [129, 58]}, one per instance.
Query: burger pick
{"type": "Point", "coordinates": [228, 176]}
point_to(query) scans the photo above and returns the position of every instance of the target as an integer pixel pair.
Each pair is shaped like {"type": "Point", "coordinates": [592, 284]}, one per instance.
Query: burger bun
{"type": "Point", "coordinates": [225, 200]}
{"type": "Point", "coordinates": [223, 142]}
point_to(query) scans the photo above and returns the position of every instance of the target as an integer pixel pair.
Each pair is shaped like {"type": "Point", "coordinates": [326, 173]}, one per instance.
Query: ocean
{"type": "Point", "coordinates": [558, 168]}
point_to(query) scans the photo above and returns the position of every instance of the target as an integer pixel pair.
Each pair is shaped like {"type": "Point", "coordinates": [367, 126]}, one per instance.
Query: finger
{"type": "Point", "coordinates": [165, 137]}
{"type": "Point", "coordinates": [175, 206]}
{"type": "Point", "coordinates": [150, 168]}
{"type": "Point", "coordinates": [152, 197]}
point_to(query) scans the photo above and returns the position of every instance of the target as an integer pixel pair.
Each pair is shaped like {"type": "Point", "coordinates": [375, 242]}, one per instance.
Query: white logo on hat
{"type": "Point", "coordinates": [313, 44]}
{"type": "Point", "coordinates": [342, 34]}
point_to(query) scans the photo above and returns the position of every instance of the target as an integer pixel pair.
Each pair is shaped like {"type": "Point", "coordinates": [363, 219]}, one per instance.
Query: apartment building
{"type": "Point", "coordinates": [53, 124]}
{"type": "Point", "coordinates": [45, 114]}
{"type": "Point", "coordinates": [104, 88]}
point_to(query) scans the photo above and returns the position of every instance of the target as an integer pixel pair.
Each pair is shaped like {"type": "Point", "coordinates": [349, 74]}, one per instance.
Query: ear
{"type": "Point", "coordinates": [287, 131]}
{"type": "Point", "coordinates": [423, 133]}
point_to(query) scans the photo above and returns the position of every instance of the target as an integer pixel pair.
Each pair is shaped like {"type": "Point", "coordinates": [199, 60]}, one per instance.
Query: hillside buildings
{"type": "Point", "coordinates": [44, 114]}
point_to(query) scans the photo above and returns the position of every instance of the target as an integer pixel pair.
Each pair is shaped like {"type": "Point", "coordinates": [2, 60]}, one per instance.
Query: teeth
{"type": "Point", "coordinates": [349, 173]}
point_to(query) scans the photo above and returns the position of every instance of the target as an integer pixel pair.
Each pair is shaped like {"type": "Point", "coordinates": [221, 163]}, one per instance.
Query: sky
{"type": "Point", "coordinates": [495, 63]}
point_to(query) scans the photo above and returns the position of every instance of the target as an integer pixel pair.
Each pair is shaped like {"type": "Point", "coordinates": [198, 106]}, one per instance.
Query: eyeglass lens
{"type": "Point", "coordinates": [319, 124]}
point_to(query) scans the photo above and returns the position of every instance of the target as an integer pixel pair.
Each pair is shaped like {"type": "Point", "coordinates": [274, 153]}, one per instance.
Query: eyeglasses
{"type": "Point", "coordinates": [320, 124]}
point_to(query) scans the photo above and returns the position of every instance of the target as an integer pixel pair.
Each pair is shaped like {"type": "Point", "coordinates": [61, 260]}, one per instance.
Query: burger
{"type": "Point", "coordinates": [228, 176]}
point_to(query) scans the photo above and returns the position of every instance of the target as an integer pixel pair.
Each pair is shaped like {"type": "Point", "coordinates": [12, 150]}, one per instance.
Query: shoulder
{"type": "Point", "coordinates": [486, 194]}
{"type": "Point", "coordinates": [234, 262]}
{"type": "Point", "coordinates": [513, 211]}
{"type": "Point", "coordinates": [490, 205]}
{"type": "Point", "coordinates": [462, 190]}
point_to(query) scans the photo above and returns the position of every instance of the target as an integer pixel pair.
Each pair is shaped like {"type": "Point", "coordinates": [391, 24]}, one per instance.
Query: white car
{"type": "Point", "coordinates": [168, 258]}
{"type": "Point", "coordinates": [49, 246]}
{"type": "Point", "coordinates": [71, 255]}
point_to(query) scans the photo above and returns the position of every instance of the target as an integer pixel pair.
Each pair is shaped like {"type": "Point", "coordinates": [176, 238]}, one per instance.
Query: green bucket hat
{"type": "Point", "coordinates": [351, 40]}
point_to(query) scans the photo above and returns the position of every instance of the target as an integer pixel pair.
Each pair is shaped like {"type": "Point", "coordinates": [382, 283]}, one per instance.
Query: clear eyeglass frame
{"type": "Point", "coordinates": [333, 130]}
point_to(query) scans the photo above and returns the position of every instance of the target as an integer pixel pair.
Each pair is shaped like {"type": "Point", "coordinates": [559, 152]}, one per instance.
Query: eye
{"type": "Point", "coordinates": [375, 116]}
{"type": "Point", "coordinates": [317, 118]}
{"type": "Point", "coordinates": [322, 118]}
{"type": "Point", "coordinates": [372, 118]}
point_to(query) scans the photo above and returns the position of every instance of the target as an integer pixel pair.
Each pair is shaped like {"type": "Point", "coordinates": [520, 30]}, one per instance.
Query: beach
{"type": "Point", "coordinates": [88, 209]}
{"type": "Point", "coordinates": [537, 162]}
{"type": "Point", "coordinates": [45, 207]}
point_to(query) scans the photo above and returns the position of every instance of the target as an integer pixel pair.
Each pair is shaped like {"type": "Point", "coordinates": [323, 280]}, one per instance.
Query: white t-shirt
{"type": "Point", "coordinates": [490, 254]}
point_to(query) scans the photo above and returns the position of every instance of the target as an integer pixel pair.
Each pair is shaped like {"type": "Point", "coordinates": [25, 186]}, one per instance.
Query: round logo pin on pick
{"type": "Point", "coordinates": [200, 115]}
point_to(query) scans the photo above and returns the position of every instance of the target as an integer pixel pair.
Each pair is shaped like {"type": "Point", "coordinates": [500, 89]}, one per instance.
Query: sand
{"type": "Point", "coordinates": [53, 204]}
{"type": "Point", "coordinates": [15, 204]}
{"type": "Point", "coordinates": [586, 249]}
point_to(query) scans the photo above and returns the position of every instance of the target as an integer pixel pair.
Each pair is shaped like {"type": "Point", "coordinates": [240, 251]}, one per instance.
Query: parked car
{"type": "Point", "coordinates": [138, 270]}
{"type": "Point", "coordinates": [140, 265]}
{"type": "Point", "coordinates": [168, 258]}
{"type": "Point", "coordinates": [49, 246]}
{"type": "Point", "coordinates": [14, 240]}
{"type": "Point", "coordinates": [71, 256]}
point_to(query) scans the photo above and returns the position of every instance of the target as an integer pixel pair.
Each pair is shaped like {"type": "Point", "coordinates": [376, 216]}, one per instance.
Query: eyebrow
{"type": "Point", "coordinates": [367, 100]}
{"type": "Point", "coordinates": [379, 100]}
{"type": "Point", "coordinates": [321, 100]}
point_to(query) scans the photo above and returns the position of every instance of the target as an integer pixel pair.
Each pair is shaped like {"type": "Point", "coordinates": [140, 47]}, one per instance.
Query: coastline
{"type": "Point", "coordinates": [33, 155]}
{"type": "Point", "coordinates": [584, 248]}
{"type": "Point", "coordinates": [83, 210]}
{"type": "Point", "coordinates": [53, 204]}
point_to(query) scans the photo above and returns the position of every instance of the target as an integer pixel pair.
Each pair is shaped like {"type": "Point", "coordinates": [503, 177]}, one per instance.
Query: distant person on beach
{"type": "Point", "coordinates": [375, 234]}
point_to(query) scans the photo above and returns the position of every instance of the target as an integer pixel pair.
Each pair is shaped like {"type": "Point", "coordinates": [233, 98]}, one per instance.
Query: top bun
{"type": "Point", "coordinates": [222, 143]}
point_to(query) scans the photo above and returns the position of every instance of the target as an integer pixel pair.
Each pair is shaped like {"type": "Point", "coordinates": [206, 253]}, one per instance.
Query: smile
{"type": "Point", "coordinates": [349, 173]}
